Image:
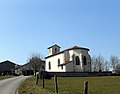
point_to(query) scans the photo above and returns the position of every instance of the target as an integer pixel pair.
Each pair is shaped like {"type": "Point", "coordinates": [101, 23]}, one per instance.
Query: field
{"type": "Point", "coordinates": [73, 85]}
{"type": "Point", "coordinates": [5, 77]}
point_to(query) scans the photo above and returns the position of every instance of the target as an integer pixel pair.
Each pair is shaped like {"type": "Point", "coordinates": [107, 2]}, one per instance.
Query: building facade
{"type": "Point", "coordinates": [28, 68]}
{"type": "Point", "coordinates": [75, 59]}
{"type": "Point", "coordinates": [7, 68]}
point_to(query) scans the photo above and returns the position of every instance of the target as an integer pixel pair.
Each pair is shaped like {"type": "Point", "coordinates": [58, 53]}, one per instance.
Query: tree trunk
{"type": "Point", "coordinates": [35, 73]}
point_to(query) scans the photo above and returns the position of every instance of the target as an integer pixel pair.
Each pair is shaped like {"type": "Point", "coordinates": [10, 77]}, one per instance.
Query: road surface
{"type": "Point", "coordinates": [10, 86]}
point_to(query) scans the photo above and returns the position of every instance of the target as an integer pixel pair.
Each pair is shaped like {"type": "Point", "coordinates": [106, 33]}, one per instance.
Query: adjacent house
{"type": "Point", "coordinates": [28, 68]}
{"type": "Point", "coordinates": [25, 69]}
{"type": "Point", "coordinates": [7, 68]}
{"type": "Point", "coordinates": [74, 59]}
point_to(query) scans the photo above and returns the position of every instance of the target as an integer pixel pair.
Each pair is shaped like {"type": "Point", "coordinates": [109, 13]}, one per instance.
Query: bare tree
{"type": "Point", "coordinates": [106, 66]}
{"type": "Point", "coordinates": [114, 61]}
{"type": "Point", "coordinates": [100, 60]}
{"type": "Point", "coordinates": [97, 63]}
{"type": "Point", "coordinates": [36, 62]}
{"type": "Point", "coordinates": [94, 63]}
{"type": "Point", "coordinates": [118, 67]}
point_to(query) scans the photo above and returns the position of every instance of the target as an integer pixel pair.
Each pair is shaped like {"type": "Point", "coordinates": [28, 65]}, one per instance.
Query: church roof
{"type": "Point", "coordinates": [72, 48]}
{"type": "Point", "coordinates": [77, 47]}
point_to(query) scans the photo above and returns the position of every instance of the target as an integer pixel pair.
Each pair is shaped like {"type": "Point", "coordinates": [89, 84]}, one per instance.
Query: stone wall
{"type": "Point", "coordinates": [79, 74]}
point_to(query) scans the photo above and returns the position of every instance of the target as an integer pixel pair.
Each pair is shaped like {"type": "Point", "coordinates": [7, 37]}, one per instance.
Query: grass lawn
{"type": "Point", "coordinates": [73, 85]}
{"type": "Point", "coordinates": [5, 77]}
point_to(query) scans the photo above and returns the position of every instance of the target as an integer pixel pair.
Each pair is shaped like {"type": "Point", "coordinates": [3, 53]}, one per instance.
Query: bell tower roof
{"type": "Point", "coordinates": [53, 46]}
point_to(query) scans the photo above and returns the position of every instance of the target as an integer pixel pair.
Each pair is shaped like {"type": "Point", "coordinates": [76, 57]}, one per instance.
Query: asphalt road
{"type": "Point", "coordinates": [10, 86]}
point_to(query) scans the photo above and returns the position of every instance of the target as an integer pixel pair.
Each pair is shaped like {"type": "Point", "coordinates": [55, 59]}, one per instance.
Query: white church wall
{"type": "Point", "coordinates": [49, 51]}
{"type": "Point", "coordinates": [54, 63]}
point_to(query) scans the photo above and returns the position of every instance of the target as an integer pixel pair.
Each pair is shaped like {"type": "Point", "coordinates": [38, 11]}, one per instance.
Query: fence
{"type": "Point", "coordinates": [71, 74]}
{"type": "Point", "coordinates": [85, 91]}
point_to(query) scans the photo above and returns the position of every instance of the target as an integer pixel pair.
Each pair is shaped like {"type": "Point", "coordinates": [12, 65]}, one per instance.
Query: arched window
{"type": "Point", "coordinates": [55, 50]}
{"type": "Point", "coordinates": [62, 67]}
{"type": "Point", "coordinates": [58, 62]}
{"type": "Point", "coordinates": [84, 60]}
{"type": "Point", "coordinates": [77, 60]}
{"type": "Point", "coordinates": [49, 66]}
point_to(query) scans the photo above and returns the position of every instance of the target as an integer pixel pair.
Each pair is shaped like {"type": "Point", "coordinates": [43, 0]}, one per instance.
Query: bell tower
{"type": "Point", "coordinates": [53, 49]}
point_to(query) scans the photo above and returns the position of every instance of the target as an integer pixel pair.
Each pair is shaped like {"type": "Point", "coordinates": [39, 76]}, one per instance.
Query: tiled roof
{"type": "Point", "coordinates": [72, 48]}
{"type": "Point", "coordinates": [75, 47]}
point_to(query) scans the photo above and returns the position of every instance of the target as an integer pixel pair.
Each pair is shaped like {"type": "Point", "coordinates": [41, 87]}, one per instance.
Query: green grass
{"type": "Point", "coordinates": [73, 85]}
{"type": "Point", "coordinates": [5, 77]}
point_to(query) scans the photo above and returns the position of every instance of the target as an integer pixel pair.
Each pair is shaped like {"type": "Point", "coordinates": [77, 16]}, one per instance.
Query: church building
{"type": "Point", "coordinates": [74, 59]}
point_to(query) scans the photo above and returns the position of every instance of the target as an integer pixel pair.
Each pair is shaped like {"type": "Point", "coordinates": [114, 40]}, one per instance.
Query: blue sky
{"type": "Point", "coordinates": [31, 26]}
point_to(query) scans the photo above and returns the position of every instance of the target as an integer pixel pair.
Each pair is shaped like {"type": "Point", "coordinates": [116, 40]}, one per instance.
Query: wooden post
{"type": "Point", "coordinates": [37, 78]}
{"type": "Point", "coordinates": [43, 84]}
{"type": "Point", "coordinates": [56, 84]}
{"type": "Point", "coordinates": [85, 87]}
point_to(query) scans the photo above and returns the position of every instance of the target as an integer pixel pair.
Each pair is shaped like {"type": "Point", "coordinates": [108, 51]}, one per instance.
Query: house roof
{"type": "Point", "coordinates": [27, 64]}
{"type": "Point", "coordinates": [72, 48]}
{"type": "Point", "coordinates": [7, 61]}
{"type": "Point", "coordinates": [53, 45]}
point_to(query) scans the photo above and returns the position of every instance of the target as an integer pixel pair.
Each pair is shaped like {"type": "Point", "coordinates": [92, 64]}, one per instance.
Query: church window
{"type": "Point", "coordinates": [62, 67]}
{"type": "Point", "coordinates": [55, 50]}
{"type": "Point", "coordinates": [77, 60]}
{"type": "Point", "coordinates": [49, 65]}
{"type": "Point", "coordinates": [84, 60]}
{"type": "Point", "coordinates": [58, 62]}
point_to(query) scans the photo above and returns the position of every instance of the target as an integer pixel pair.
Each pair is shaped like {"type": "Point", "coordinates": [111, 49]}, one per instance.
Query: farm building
{"type": "Point", "coordinates": [74, 59]}
{"type": "Point", "coordinates": [27, 69]}
{"type": "Point", "coordinates": [7, 68]}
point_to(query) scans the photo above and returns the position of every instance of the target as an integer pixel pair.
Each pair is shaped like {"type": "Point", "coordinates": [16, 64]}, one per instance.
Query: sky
{"type": "Point", "coordinates": [31, 26]}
